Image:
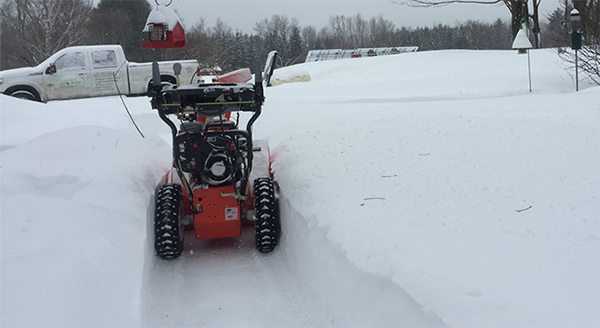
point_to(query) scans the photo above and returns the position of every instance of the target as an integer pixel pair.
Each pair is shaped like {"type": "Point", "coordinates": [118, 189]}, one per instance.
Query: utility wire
{"type": "Point", "coordinates": [124, 105]}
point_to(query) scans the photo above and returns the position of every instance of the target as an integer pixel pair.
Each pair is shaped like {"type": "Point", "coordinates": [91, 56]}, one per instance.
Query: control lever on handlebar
{"type": "Point", "coordinates": [154, 91]}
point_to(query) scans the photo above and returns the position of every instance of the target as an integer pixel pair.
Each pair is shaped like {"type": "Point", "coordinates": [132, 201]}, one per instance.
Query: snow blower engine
{"type": "Point", "coordinates": [221, 178]}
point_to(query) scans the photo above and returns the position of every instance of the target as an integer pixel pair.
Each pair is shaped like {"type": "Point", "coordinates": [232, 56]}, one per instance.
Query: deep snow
{"type": "Point", "coordinates": [423, 189]}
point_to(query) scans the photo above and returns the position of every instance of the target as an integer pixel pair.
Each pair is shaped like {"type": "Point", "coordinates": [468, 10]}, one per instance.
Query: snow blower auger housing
{"type": "Point", "coordinates": [221, 177]}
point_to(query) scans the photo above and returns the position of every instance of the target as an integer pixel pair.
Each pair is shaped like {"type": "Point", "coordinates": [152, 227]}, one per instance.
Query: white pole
{"type": "Point", "coordinates": [529, 68]}
{"type": "Point", "coordinates": [576, 73]}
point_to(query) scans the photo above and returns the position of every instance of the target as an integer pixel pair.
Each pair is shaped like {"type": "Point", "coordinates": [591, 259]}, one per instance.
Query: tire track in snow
{"type": "Point", "coordinates": [221, 282]}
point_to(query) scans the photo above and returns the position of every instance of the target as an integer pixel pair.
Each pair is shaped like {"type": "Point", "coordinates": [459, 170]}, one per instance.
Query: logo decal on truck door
{"type": "Point", "coordinates": [70, 82]}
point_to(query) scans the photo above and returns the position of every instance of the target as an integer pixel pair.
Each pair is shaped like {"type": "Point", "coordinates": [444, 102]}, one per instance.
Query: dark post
{"type": "Point", "coordinates": [575, 41]}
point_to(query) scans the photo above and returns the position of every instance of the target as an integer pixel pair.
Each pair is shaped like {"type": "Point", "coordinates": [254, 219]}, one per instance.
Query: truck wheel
{"type": "Point", "coordinates": [24, 94]}
{"type": "Point", "coordinates": [168, 227]}
{"type": "Point", "coordinates": [267, 226]}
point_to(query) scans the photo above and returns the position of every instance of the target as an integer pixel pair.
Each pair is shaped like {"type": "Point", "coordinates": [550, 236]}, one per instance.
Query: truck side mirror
{"type": "Point", "coordinates": [51, 69]}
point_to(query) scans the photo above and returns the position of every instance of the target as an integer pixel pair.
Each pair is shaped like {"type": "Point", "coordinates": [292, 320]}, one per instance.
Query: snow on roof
{"type": "Point", "coordinates": [162, 15]}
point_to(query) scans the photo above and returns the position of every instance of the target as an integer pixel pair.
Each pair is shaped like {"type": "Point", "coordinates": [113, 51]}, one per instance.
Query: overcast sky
{"type": "Point", "coordinates": [243, 14]}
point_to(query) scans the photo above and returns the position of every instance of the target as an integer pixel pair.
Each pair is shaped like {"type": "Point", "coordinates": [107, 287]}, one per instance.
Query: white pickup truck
{"type": "Point", "coordinates": [90, 71]}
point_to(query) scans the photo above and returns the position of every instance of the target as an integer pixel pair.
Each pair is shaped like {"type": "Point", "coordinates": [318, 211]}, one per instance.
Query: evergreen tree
{"type": "Point", "coordinates": [556, 31]}
{"type": "Point", "coordinates": [224, 43]}
{"type": "Point", "coordinates": [295, 45]}
{"type": "Point", "coordinates": [121, 22]}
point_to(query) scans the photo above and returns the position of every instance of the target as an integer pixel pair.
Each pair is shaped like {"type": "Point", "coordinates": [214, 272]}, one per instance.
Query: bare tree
{"type": "Point", "coordinates": [535, 17]}
{"type": "Point", "coordinates": [382, 32]}
{"type": "Point", "coordinates": [11, 56]}
{"type": "Point", "coordinates": [339, 32]}
{"type": "Point", "coordinates": [38, 28]}
{"type": "Point", "coordinates": [356, 32]}
{"type": "Point", "coordinates": [519, 9]}
{"type": "Point", "coordinates": [361, 29]}
{"type": "Point", "coordinates": [589, 54]}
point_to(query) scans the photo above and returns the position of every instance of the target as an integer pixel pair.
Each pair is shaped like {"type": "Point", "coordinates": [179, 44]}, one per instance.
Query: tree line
{"type": "Point", "coordinates": [234, 49]}
{"type": "Point", "coordinates": [34, 29]}
{"type": "Point", "coordinates": [519, 11]}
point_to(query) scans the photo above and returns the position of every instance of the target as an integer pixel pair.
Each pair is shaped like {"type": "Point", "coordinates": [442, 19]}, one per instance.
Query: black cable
{"type": "Point", "coordinates": [196, 73]}
{"type": "Point", "coordinates": [124, 105]}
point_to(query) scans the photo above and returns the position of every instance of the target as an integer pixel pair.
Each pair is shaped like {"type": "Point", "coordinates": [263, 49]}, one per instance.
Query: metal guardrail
{"type": "Point", "coordinates": [333, 54]}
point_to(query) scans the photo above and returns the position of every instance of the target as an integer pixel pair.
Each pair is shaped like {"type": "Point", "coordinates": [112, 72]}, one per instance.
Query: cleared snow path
{"type": "Point", "coordinates": [217, 282]}
{"type": "Point", "coordinates": [305, 282]}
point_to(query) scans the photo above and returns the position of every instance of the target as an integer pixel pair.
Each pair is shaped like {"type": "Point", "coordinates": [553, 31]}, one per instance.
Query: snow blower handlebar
{"type": "Point", "coordinates": [209, 100]}
{"type": "Point", "coordinates": [258, 99]}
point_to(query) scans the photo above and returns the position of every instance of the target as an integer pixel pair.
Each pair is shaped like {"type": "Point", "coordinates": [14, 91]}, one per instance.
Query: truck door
{"type": "Point", "coordinates": [108, 78]}
{"type": "Point", "coordinates": [68, 77]}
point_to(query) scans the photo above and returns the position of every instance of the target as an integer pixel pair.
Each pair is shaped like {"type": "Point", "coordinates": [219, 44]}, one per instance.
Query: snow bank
{"type": "Point", "coordinates": [476, 197]}
{"type": "Point", "coordinates": [74, 214]}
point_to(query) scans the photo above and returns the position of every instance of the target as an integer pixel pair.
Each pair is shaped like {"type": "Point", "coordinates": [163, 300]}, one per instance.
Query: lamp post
{"type": "Point", "coordinates": [522, 44]}
{"type": "Point", "coordinates": [575, 41]}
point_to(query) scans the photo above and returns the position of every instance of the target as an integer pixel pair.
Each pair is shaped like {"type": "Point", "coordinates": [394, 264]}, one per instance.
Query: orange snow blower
{"type": "Point", "coordinates": [221, 178]}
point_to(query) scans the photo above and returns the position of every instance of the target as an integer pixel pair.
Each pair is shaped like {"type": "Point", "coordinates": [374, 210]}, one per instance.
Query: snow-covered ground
{"type": "Point", "coordinates": [423, 189]}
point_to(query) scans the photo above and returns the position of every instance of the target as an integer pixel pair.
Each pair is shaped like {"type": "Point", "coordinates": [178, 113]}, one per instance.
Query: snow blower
{"type": "Point", "coordinates": [221, 178]}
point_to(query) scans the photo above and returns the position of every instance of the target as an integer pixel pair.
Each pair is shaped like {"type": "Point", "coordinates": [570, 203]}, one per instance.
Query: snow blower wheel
{"type": "Point", "coordinates": [266, 223]}
{"type": "Point", "coordinates": [168, 227]}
